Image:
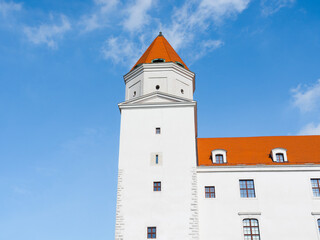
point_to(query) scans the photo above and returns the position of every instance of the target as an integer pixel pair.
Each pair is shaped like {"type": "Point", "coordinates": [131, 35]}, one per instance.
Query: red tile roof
{"type": "Point", "coordinates": [160, 48]}
{"type": "Point", "coordinates": [256, 150]}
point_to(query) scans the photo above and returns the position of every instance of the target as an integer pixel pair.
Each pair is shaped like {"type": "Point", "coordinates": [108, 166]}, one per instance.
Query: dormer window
{"type": "Point", "coordinates": [279, 155]}
{"type": "Point", "coordinates": [180, 64]}
{"type": "Point", "coordinates": [158, 60]}
{"type": "Point", "coordinates": [219, 156]}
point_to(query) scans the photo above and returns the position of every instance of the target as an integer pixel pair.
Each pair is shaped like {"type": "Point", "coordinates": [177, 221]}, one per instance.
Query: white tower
{"type": "Point", "coordinates": [157, 181]}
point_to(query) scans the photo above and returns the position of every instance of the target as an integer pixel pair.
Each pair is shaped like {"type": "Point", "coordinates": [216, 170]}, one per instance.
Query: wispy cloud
{"type": "Point", "coordinates": [100, 16]}
{"type": "Point", "coordinates": [310, 129]}
{"type": "Point", "coordinates": [48, 33]}
{"type": "Point", "coordinates": [7, 8]}
{"type": "Point", "coordinates": [307, 98]}
{"type": "Point", "coordinates": [269, 7]}
{"type": "Point", "coordinates": [207, 47]}
{"type": "Point", "coordinates": [137, 15]}
{"type": "Point", "coordinates": [120, 50]}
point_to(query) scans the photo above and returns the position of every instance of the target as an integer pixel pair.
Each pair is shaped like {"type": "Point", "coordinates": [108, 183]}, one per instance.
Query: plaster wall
{"type": "Point", "coordinates": [284, 203]}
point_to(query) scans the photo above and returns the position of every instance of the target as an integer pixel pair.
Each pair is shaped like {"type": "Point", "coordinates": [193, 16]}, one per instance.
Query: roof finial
{"type": "Point", "coordinates": [160, 34]}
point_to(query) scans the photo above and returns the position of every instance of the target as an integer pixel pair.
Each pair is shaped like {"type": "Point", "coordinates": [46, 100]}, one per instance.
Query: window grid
{"type": "Point", "coordinates": [315, 183]}
{"type": "Point", "coordinates": [247, 189]}
{"type": "Point", "coordinates": [210, 192]}
{"type": "Point", "coordinates": [251, 229]}
{"type": "Point", "coordinates": [219, 158]}
{"type": "Point", "coordinates": [156, 186]}
{"type": "Point", "coordinates": [152, 232]}
{"type": "Point", "coordinates": [279, 157]}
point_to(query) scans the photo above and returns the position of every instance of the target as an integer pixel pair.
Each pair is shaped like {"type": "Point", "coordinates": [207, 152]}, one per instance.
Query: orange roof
{"type": "Point", "coordinates": [160, 48]}
{"type": "Point", "coordinates": [256, 150]}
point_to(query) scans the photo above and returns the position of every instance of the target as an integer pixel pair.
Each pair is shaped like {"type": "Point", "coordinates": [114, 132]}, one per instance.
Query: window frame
{"type": "Point", "coordinates": [209, 192]}
{"type": "Point", "coordinates": [318, 187]}
{"type": "Point", "coordinates": [153, 234]}
{"type": "Point", "coordinates": [216, 152]}
{"type": "Point", "coordinates": [276, 151]}
{"type": "Point", "coordinates": [158, 130]}
{"type": "Point", "coordinates": [157, 186]}
{"type": "Point", "coordinates": [247, 189]}
{"type": "Point", "coordinates": [251, 227]}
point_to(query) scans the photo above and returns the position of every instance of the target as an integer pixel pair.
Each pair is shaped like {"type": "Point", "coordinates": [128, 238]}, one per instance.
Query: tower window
{"type": "Point", "coordinates": [247, 189]}
{"type": "Point", "coordinates": [210, 192]}
{"type": "Point", "coordinates": [158, 60]}
{"type": "Point", "coordinates": [251, 229]}
{"type": "Point", "coordinates": [157, 158]}
{"type": "Point", "coordinates": [315, 183]}
{"type": "Point", "coordinates": [158, 130]}
{"type": "Point", "coordinates": [134, 93]}
{"type": "Point", "coordinates": [219, 158]}
{"type": "Point", "coordinates": [156, 186]}
{"type": "Point", "coordinates": [157, 87]}
{"type": "Point", "coordinates": [152, 232]}
{"type": "Point", "coordinates": [180, 64]}
{"type": "Point", "coordinates": [318, 221]}
{"type": "Point", "coordinates": [182, 91]}
{"type": "Point", "coordinates": [279, 157]}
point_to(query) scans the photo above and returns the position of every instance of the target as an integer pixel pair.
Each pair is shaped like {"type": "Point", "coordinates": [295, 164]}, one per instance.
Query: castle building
{"type": "Point", "coordinates": [173, 185]}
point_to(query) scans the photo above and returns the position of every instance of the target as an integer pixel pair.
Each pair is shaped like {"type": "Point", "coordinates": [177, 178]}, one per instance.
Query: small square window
{"type": "Point", "coordinates": [247, 189]}
{"type": "Point", "coordinates": [156, 186]}
{"type": "Point", "coordinates": [219, 158]}
{"type": "Point", "coordinates": [152, 232]}
{"type": "Point", "coordinates": [279, 157]}
{"type": "Point", "coordinates": [210, 192]}
{"type": "Point", "coordinates": [158, 130]}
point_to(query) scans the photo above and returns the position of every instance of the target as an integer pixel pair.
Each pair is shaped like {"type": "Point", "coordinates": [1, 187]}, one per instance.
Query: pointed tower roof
{"type": "Point", "coordinates": [160, 48]}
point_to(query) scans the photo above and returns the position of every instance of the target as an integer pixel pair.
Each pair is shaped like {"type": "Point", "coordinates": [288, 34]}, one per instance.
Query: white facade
{"type": "Point", "coordinates": [173, 210]}
{"type": "Point", "coordinates": [284, 204]}
{"type": "Point", "coordinates": [158, 144]}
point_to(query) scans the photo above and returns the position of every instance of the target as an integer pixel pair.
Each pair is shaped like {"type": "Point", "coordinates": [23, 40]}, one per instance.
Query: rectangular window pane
{"type": "Point", "coordinates": [247, 189]}
{"type": "Point", "coordinates": [210, 192]}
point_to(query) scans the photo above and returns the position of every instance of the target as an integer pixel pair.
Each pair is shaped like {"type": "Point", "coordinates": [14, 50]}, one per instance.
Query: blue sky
{"type": "Point", "coordinates": [257, 71]}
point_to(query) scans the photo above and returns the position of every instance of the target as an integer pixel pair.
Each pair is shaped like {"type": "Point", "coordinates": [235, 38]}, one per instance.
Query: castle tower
{"type": "Point", "coordinates": [157, 181]}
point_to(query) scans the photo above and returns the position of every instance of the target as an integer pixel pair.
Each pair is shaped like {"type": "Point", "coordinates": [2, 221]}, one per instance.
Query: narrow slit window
{"type": "Point", "coordinates": [157, 158]}
{"type": "Point", "coordinates": [152, 232]}
{"type": "Point", "coordinates": [318, 221]}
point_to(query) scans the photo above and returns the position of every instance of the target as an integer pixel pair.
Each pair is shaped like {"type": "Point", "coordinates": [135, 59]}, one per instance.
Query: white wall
{"type": "Point", "coordinates": [173, 210]}
{"type": "Point", "coordinates": [283, 205]}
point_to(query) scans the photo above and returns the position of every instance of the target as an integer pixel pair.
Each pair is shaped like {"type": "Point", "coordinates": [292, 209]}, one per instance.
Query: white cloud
{"type": "Point", "coordinates": [9, 7]}
{"type": "Point", "coordinates": [307, 98]}
{"type": "Point", "coordinates": [137, 15]}
{"type": "Point", "coordinates": [120, 50]}
{"type": "Point", "coordinates": [310, 129]}
{"type": "Point", "coordinates": [48, 33]}
{"type": "Point", "coordinates": [195, 17]}
{"type": "Point", "coordinates": [206, 47]}
{"type": "Point", "coordinates": [100, 16]}
{"type": "Point", "coordinates": [270, 7]}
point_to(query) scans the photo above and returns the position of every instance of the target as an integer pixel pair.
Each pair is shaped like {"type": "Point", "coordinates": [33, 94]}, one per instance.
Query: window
{"type": "Point", "coordinates": [180, 64]}
{"type": "Point", "coordinates": [318, 221]}
{"type": "Point", "coordinates": [158, 60]}
{"type": "Point", "coordinates": [315, 183]}
{"type": "Point", "coordinates": [279, 157]}
{"type": "Point", "coordinates": [247, 189]}
{"type": "Point", "coordinates": [210, 192]}
{"type": "Point", "coordinates": [158, 130]}
{"type": "Point", "coordinates": [157, 87]}
{"type": "Point", "coordinates": [157, 158]}
{"type": "Point", "coordinates": [219, 158]}
{"type": "Point", "coordinates": [152, 232]}
{"type": "Point", "coordinates": [251, 229]}
{"type": "Point", "coordinates": [156, 186]}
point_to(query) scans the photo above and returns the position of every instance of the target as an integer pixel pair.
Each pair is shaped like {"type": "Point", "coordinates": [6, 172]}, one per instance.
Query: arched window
{"type": "Point", "coordinates": [158, 60]}
{"type": "Point", "coordinates": [219, 158]}
{"type": "Point", "coordinates": [251, 229]}
{"type": "Point", "coordinates": [279, 157]}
